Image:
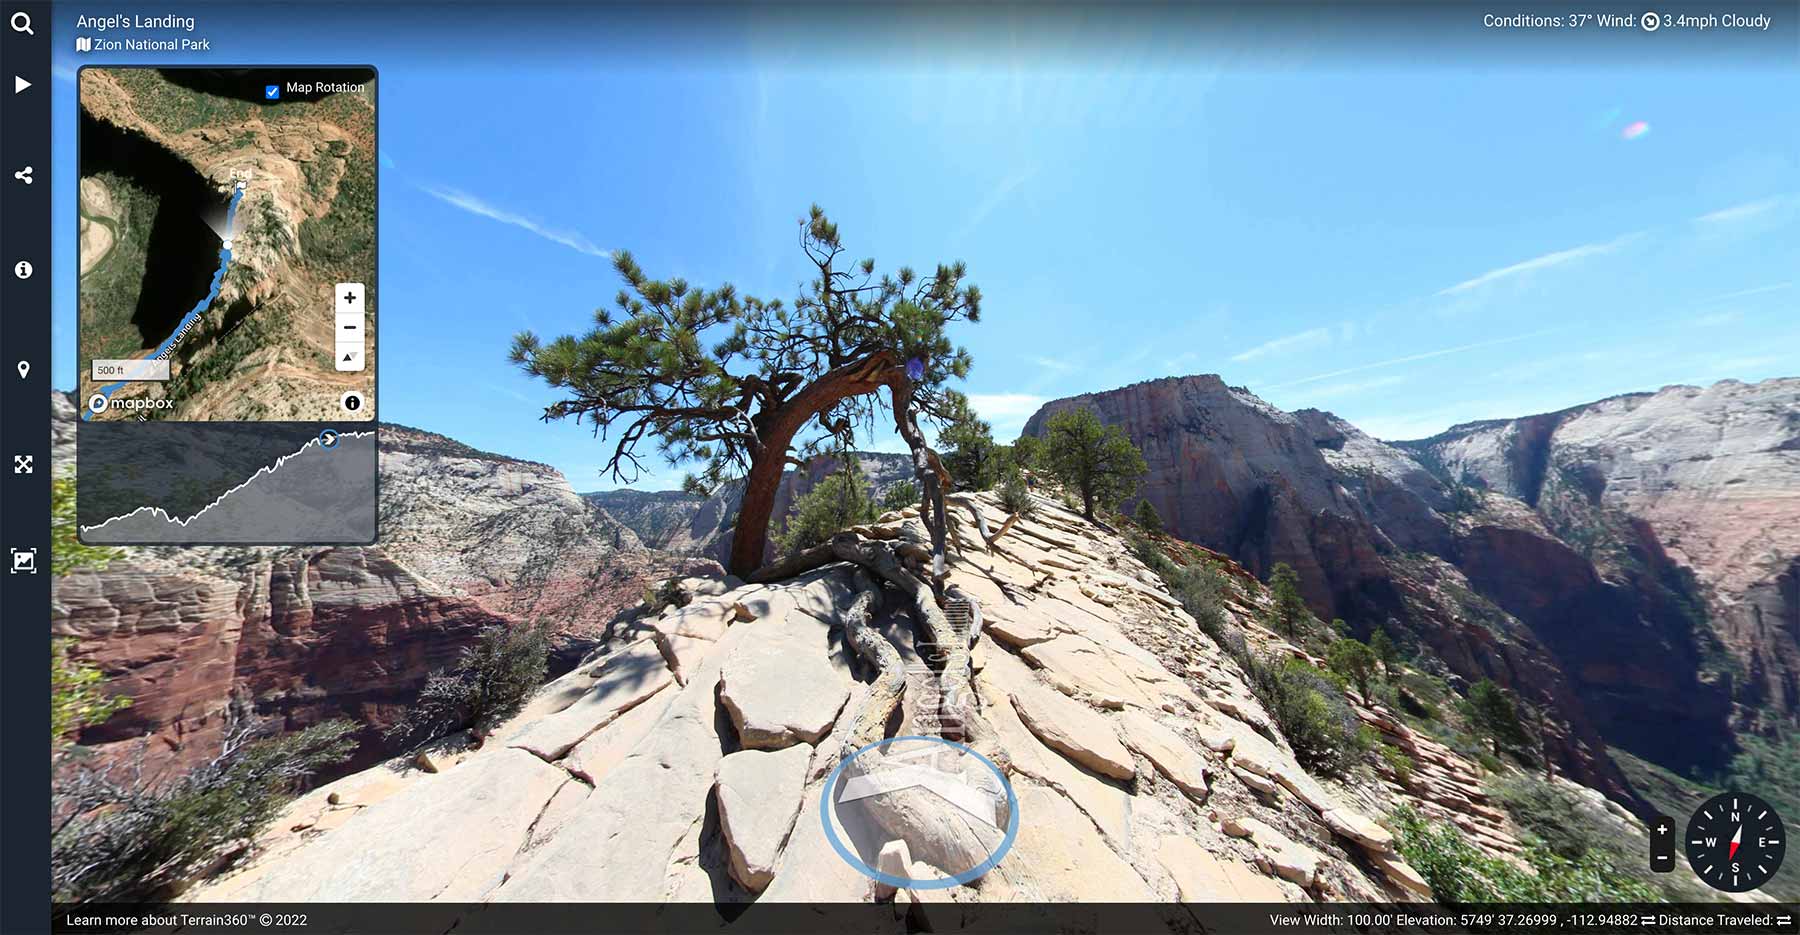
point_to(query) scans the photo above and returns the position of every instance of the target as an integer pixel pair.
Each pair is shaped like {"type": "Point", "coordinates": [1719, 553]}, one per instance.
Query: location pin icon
{"type": "Point", "coordinates": [24, 368]}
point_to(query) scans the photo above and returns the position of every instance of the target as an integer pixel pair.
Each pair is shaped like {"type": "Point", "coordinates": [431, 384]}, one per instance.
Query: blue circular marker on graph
{"type": "Point", "coordinates": [328, 439]}
{"type": "Point", "coordinates": [954, 772]}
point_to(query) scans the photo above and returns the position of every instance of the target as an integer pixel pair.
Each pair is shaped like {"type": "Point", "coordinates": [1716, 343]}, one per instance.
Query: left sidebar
{"type": "Point", "coordinates": [25, 469]}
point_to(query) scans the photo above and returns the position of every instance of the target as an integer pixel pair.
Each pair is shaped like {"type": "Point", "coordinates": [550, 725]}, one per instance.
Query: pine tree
{"type": "Point", "coordinates": [1146, 517]}
{"type": "Point", "coordinates": [737, 382]}
{"type": "Point", "coordinates": [1290, 607]}
{"type": "Point", "coordinates": [1386, 651]}
{"type": "Point", "coordinates": [1355, 662]}
{"type": "Point", "coordinates": [971, 456]}
{"type": "Point", "coordinates": [1095, 462]}
{"type": "Point", "coordinates": [1493, 714]}
{"type": "Point", "coordinates": [900, 496]}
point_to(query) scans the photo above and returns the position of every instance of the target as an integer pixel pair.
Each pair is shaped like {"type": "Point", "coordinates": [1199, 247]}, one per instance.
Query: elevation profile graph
{"type": "Point", "coordinates": [225, 483]}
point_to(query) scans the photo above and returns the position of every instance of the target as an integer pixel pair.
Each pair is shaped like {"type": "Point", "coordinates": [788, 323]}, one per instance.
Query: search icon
{"type": "Point", "coordinates": [21, 22]}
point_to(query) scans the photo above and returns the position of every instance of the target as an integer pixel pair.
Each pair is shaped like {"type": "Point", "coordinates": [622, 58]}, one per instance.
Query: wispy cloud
{"type": "Point", "coordinates": [1735, 213]}
{"type": "Point", "coordinates": [1175, 364]}
{"type": "Point", "coordinates": [1292, 344]}
{"type": "Point", "coordinates": [1717, 319]}
{"type": "Point", "coordinates": [1353, 387]}
{"type": "Point", "coordinates": [994, 199]}
{"type": "Point", "coordinates": [1410, 358]}
{"type": "Point", "coordinates": [1547, 261]}
{"type": "Point", "coordinates": [1006, 412]}
{"type": "Point", "coordinates": [508, 391]}
{"type": "Point", "coordinates": [457, 198]}
{"type": "Point", "coordinates": [1746, 293]}
{"type": "Point", "coordinates": [1052, 363]}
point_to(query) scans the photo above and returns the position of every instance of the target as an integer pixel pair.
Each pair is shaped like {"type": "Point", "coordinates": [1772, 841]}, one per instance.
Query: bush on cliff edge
{"type": "Point", "coordinates": [125, 838]}
{"type": "Point", "coordinates": [489, 683]}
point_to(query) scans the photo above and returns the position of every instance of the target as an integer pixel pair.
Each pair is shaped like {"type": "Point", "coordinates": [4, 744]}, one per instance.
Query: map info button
{"type": "Point", "coordinates": [117, 371]}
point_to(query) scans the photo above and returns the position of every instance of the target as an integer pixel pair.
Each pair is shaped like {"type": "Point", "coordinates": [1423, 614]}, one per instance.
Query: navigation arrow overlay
{"type": "Point", "coordinates": [948, 787]}
{"type": "Point", "coordinates": [20, 84]}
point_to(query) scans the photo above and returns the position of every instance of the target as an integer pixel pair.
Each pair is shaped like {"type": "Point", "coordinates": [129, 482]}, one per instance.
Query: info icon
{"type": "Point", "coordinates": [353, 402]}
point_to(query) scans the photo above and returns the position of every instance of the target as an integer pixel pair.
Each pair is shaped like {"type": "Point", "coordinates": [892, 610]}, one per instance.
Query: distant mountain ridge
{"type": "Point", "coordinates": [1606, 563]}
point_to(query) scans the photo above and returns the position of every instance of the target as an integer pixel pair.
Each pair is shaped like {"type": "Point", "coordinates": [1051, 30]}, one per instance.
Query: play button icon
{"type": "Point", "coordinates": [20, 84]}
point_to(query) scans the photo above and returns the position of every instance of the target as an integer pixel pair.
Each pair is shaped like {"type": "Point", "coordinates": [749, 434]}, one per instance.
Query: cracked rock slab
{"type": "Point", "coordinates": [781, 692]}
{"type": "Point", "coordinates": [1202, 877]}
{"type": "Point", "coordinates": [1291, 860]}
{"type": "Point", "coordinates": [1165, 749]}
{"type": "Point", "coordinates": [759, 794]}
{"type": "Point", "coordinates": [627, 678]}
{"type": "Point", "coordinates": [1074, 730]}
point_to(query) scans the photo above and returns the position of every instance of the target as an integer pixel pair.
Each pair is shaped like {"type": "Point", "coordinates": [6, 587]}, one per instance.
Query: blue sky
{"type": "Point", "coordinates": [1408, 245]}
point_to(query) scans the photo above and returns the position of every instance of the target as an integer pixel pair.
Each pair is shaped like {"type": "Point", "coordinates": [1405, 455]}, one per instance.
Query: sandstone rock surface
{"type": "Point", "coordinates": [754, 786]}
{"type": "Point", "coordinates": [1074, 730]}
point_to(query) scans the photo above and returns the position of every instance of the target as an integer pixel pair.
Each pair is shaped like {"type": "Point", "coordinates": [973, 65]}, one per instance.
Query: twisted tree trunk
{"type": "Point", "coordinates": [949, 656]}
{"type": "Point", "coordinates": [775, 433]}
{"type": "Point", "coordinates": [885, 693]}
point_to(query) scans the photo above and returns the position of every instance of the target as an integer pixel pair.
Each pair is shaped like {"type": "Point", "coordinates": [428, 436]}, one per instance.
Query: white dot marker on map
{"type": "Point", "coordinates": [228, 243]}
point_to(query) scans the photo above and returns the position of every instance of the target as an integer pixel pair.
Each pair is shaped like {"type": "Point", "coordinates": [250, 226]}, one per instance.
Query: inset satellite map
{"type": "Point", "coordinates": [226, 305]}
{"type": "Point", "coordinates": [219, 212]}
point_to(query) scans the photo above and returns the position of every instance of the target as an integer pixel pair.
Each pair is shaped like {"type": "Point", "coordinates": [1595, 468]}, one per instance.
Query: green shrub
{"type": "Point", "coordinates": [1015, 494]}
{"type": "Point", "coordinates": [1310, 710]}
{"type": "Point", "coordinates": [1465, 496]}
{"type": "Point", "coordinates": [489, 683]}
{"type": "Point", "coordinates": [900, 496]}
{"type": "Point", "coordinates": [131, 841]}
{"type": "Point", "coordinates": [1555, 817]}
{"type": "Point", "coordinates": [1307, 705]}
{"type": "Point", "coordinates": [836, 503]}
{"type": "Point", "coordinates": [1400, 763]}
{"type": "Point", "coordinates": [68, 553]}
{"type": "Point", "coordinates": [1146, 517]}
{"type": "Point", "coordinates": [1386, 651]}
{"type": "Point", "coordinates": [1355, 662]}
{"type": "Point", "coordinates": [669, 593]}
{"type": "Point", "coordinates": [1201, 592]}
{"type": "Point", "coordinates": [1458, 872]}
{"type": "Point", "coordinates": [76, 700]}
